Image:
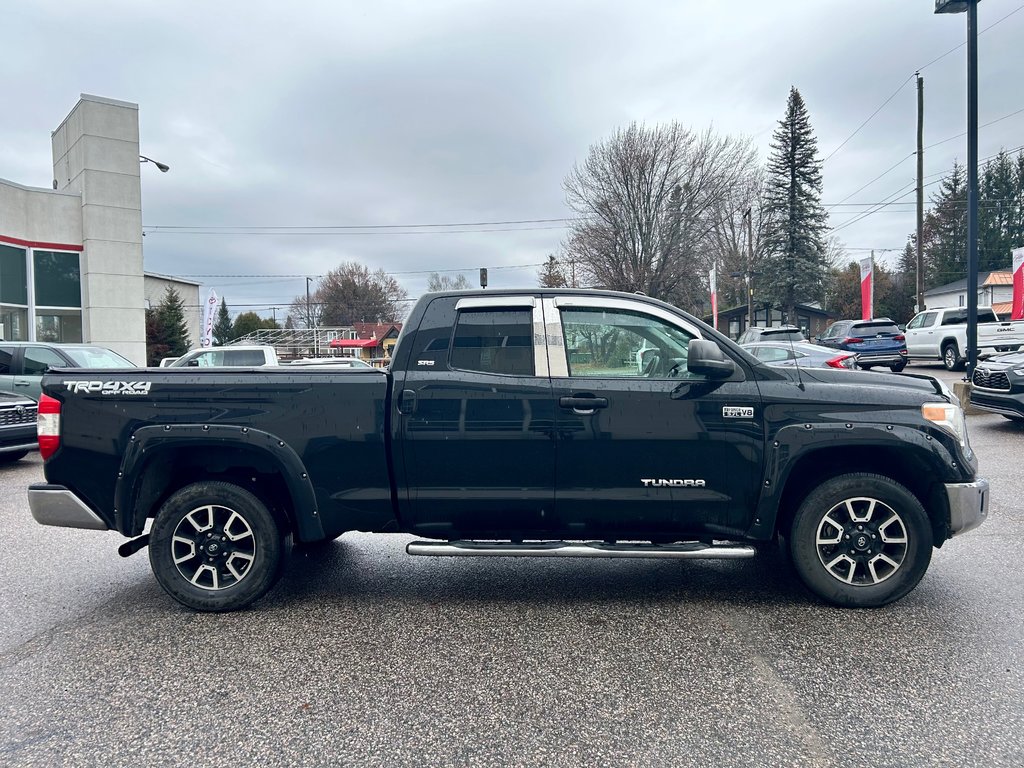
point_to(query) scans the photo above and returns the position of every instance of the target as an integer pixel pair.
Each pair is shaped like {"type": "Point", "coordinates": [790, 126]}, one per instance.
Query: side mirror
{"type": "Point", "coordinates": [705, 358]}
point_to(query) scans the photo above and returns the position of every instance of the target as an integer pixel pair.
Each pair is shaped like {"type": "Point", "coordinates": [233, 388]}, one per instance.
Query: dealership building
{"type": "Point", "coordinates": [71, 256]}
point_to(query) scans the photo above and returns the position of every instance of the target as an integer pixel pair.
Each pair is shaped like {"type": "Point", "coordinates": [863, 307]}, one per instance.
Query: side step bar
{"type": "Point", "coordinates": [688, 550]}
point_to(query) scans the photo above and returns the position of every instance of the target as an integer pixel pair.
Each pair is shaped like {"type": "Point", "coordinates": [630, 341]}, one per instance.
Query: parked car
{"type": "Point", "coordinates": [774, 333]}
{"type": "Point", "coordinates": [332, 362]}
{"type": "Point", "coordinates": [941, 334]}
{"type": "Point", "coordinates": [22, 363]}
{"type": "Point", "coordinates": [875, 342]}
{"type": "Point", "coordinates": [226, 357]}
{"type": "Point", "coordinates": [801, 353]}
{"type": "Point", "coordinates": [17, 427]}
{"type": "Point", "coordinates": [705, 453]}
{"type": "Point", "coordinates": [999, 385]}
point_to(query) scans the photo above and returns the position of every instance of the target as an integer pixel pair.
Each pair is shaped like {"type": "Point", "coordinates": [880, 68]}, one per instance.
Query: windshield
{"type": "Point", "coordinates": [96, 357]}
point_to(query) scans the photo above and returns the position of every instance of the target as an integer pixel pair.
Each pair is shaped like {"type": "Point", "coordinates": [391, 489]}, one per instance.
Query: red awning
{"type": "Point", "coordinates": [356, 343]}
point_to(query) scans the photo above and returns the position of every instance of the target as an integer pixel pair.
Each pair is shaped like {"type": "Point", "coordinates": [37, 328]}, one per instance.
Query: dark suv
{"type": "Point", "coordinates": [775, 333]}
{"type": "Point", "coordinates": [876, 342]}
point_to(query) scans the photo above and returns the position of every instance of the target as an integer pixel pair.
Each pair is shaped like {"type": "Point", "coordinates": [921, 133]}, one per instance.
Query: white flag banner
{"type": "Point", "coordinates": [209, 310]}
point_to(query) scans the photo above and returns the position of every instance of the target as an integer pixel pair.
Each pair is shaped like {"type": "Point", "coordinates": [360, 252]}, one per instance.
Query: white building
{"type": "Point", "coordinates": [995, 289]}
{"type": "Point", "coordinates": [71, 256]}
{"type": "Point", "coordinates": [155, 288]}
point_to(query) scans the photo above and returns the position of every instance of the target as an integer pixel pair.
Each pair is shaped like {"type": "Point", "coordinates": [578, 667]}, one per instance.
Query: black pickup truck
{"type": "Point", "coordinates": [519, 423]}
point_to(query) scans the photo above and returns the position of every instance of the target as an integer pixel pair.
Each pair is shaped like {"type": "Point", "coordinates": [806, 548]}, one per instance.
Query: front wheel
{"type": "Point", "coordinates": [898, 367]}
{"type": "Point", "coordinates": [215, 547]}
{"type": "Point", "coordinates": [861, 540]}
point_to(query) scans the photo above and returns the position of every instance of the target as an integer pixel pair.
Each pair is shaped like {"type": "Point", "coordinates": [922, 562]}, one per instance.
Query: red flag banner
{"type": "Point", "coordinates": [714, 300]}
{"type": "Point", "coordinates": [866, 294]}
{"type": "Point", "coordinates": [1018, 284]}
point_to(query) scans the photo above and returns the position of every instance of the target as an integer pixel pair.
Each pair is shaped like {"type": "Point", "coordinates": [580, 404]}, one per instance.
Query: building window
{"type": "Point", "coordinates": [13, 294]}
{"type": "Point", "coordinates": [58, 293]}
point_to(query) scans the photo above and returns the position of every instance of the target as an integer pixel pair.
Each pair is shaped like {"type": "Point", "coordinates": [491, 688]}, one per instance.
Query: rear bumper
{"type": "Point", "coordinates": [880, 358]}
{"type": "Point", "coordinates": [968, 505]}
{"type": "Point", "coordinates": [56, 505]}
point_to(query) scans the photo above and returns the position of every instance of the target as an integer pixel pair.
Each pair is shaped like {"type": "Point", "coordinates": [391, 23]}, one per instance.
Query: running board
{"type": "Point", "coordinates": [688, 550]}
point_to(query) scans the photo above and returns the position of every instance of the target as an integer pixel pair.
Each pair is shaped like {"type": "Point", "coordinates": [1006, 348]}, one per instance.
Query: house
{"type": "Point", "coordinates": [995, 289]}
{"type": "Point", "coordinates": [373, 341]}
{"type": "Point", "coordinates": [811, 319]}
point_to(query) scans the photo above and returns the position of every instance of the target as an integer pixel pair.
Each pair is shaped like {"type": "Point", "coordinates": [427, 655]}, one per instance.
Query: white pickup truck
{"type": "Point", "coordinates": [244, 356]}
{"type": "Point", "coordinates": [941, 334]}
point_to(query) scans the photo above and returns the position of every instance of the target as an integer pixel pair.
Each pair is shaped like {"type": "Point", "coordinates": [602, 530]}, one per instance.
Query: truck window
{"type": "Point", "coordinates": [493, 341]}
{"type": "Point", "coordinates": [6, 356]}
{"type": "Point", "coordinates": [603, 343]}
{"type": "Point", "coordinates": [38, 359]}
{"type": "Point", "coordinates": [244, 357]}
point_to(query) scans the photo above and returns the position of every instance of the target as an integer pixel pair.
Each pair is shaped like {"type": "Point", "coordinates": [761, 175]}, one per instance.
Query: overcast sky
{"type": "Point", "coordinates": [317, 114]}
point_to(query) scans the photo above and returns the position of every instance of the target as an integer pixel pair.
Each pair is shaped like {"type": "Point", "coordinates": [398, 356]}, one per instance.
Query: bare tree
{"type": "Point", "coordinates": [349, 294]}
{"type": "Point", "coordinates": [730, 248]}
{"type": "Point", "coordinates": [438, 282]}
{"type": "Point", "coordinates": [553, 275]}
{"type": "Point", "coordinates": [650, 199]}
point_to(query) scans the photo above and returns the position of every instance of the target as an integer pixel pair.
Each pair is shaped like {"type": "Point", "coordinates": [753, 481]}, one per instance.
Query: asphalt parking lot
{"type": "Point", "coordinates": [364, 656]}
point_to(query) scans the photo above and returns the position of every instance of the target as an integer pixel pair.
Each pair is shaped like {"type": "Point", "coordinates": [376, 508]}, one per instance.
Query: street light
{"type": "Point", "coordinates": [971, 7]}
{"type": "Point", "coordinates": [164, 168]}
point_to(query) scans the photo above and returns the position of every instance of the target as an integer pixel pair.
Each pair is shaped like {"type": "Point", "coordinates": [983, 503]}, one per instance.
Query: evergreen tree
{"type": "Point", "coordinates": [945, 231]}
{"type": "Point", "coordinates": [170, 315]}
{"type": "Point", "coordinates": [248, 322]}
{"type": "Point", "coordinates": [999, 199]}
{"type": "Point", "coordinates": [795, 266]}
{"type": "Point", "coordinates": [222, 326]}
{"type": "Point", "coordinates": [553, 275]}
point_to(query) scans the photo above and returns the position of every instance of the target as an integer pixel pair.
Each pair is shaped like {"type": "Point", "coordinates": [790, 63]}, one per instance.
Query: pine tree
{"type": "Point", "coordinates": [222, 327]}
{"type": "Point", "coordinates": [795, 266]}
{"type": "Point", "coordinates": [170, 315]}
{"type": "Point", "coordinates": [997, 209]}
{"type": "Point", "coordinates": [945, 231]}
{"type": "Point", "coordinates": [553, 275]}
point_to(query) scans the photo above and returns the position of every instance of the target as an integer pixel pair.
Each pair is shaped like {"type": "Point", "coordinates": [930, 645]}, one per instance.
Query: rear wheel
{"type": "Point", "coordinates": [1017, 419]}
{"type": "Point", "coordinates": [897, 367]}
{"type": "Point", "coordinates": [861, 540]}
{"type": "Point", "coordinates": [951, 357]}
{"type": "Point", "coordinates": [10, 458]}
{"type": "Point", "coordinates": [215, 547]}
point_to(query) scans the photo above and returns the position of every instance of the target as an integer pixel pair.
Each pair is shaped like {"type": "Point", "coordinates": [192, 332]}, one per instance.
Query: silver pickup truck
{"type": "Point", "coordinates": [941, 334]}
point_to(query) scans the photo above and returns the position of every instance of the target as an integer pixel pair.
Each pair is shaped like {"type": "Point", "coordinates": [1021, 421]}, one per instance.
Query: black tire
{"type": "Point", "coordinates": [866, 565]}
{"type": "Point", "coordinates": [898, 367]}
{"type": "Point", "coordinates": [228, 528]}
{"type": "Point", "coordinates": [951, 357]}
{"type": "Point", "coordinates": [1015, 419]}
{"type": "Point", "coordinates": [10, 458]}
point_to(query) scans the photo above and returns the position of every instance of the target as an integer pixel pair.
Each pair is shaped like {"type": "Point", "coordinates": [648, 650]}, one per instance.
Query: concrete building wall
{"type": "Point", "coordinates": [156, 286]}
{"type": "Point", "coordinates": [39, 215]}
{"type": "Point", "coordinates": [96, 156]}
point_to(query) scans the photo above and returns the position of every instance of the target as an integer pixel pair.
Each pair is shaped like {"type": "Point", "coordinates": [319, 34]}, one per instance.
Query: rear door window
{"type": "Point", "coordinates": [494, 341]}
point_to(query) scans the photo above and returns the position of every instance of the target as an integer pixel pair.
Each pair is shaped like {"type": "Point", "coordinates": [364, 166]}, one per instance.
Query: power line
{"type": "Point", "coordinates": [155, 227]}
{"type": "Point", "coordinates": [870, 118]}
{"type": "Point", "coordinates": [286, 233]}
{"type": "Point", "coordinates": [983, 31]}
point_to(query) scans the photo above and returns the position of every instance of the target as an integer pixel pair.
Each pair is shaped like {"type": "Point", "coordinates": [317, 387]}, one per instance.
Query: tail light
{"type": "Point", "coordinates": [852, 340]}
{"type": "Point", "coordinates": [48, 426]}
{"type": "Point", "coordinates": [843, 361]}
{"type": "Point", "coordinates": [899, 337]}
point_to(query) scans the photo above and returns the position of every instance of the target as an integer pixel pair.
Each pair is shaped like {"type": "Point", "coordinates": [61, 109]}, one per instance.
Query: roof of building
{"type": "Point", "coordinates": [1003, 308]}
{"type": "Point", "coordinates": [354, 343]}
{"type": "Point", "coordinates": [996, 277]}
{"type": "Point", "coordinates": [375, 330]}
{"type": "Point", "coordinates": [172, 278]}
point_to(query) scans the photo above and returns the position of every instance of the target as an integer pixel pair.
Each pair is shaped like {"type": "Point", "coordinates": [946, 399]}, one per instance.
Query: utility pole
{"type": "Point", "coordinates": [749, 216]}
{"type": "Point", "coordinates": [920, 192]}
{"type": "Point", "coordinates": [972, 188]}
{"type": "Point", "coordinates": [309, 314]}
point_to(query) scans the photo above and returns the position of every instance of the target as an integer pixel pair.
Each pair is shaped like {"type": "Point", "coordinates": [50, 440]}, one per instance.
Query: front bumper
{"type": "Point", "coordinates": [968, 505]}
{"type": "Point", "coordinates": [56, 505]}
{"type": "Point", "coordinates": [1005, 403]}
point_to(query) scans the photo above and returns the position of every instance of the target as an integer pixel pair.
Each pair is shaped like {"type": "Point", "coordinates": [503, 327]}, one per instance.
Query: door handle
{"type": "Point", "coordinates": [583, 405]}
{"type": "Point", "coordinates": [407, 401]}
{"type": "Point", "coordinates": [21, 383]}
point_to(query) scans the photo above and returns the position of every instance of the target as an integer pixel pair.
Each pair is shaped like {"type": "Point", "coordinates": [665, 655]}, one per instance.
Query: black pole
{"type": "Point", "coordinates": [972, 187]}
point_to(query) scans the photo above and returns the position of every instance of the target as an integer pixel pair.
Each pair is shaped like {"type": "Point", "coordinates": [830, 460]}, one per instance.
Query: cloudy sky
{"type": "Point", "coordinates": [326, 114]}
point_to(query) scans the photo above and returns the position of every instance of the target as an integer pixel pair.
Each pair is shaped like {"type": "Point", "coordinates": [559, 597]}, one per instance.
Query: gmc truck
{"type": "Point", "coordinates": [518, 423]}
{"type": "Point", "coordinates": [941, 334]}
